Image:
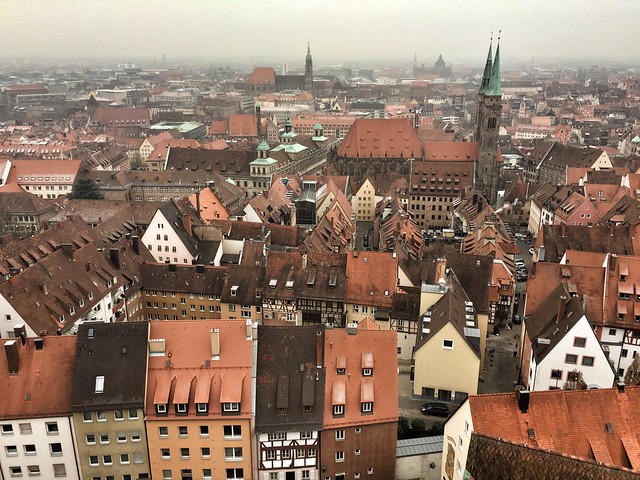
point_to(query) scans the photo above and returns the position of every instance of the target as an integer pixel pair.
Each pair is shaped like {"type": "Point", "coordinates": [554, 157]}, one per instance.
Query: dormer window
{"type": "Point", "coordinates": [181, 408]}
{"type": "Point", "coordinates": [340, 371]}
{"type": "Point", "coordinates": [231, 407]}
{"type": "Point", "coordinates": [72, 310]}
{"type": "Point", "coordinates": [367, 407]}
{"type": "Point", "coordinates": [273, 282]}
{"type": "Point", "coordinates": [367, 372]}
{"type": "Point", "coordinates": [202, 407]}
{"type": "Point", "coordinates": [161, 408]}
{"type": "Point", "coordinates": [234, 290]}
{"type": "Point", "coordinates": [338, 410]}
{"type": "Point", "coordinates": [90, 295]}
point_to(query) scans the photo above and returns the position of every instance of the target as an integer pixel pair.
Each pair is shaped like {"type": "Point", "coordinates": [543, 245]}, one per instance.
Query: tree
{"type": "Point", "coordinates": [87, 189]}
{"type": "Point", "coordinates": [418, 428]}
{"type": "Point", "coordinates": [436, 429]}
{"type": "Point", "coordinates": [632, 377]}
{"type": "Point", "coordinates": [403, 428]}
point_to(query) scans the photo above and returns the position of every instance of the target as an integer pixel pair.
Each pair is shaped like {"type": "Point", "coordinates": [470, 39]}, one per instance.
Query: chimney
{"type": "Point", "coordinates": [199, 268]}
{"type": "Point", "coordinates": [20, 331]}
{"type": "Point", "coordinates": [186, 223]}
{"type": "Point", "coordinates": [136, 244]}
{"type": "Point", "coordinates": [45, 289]}
{"type": "Point", "coordinates": [198, 202]}
{"type": "Point", "coordinates": [215, 342]}
{"type": "Point", "coordinates": [68, 249]}
{"type": "Point", "coordinates": [319, 348]}
{"type": "Point", "coordinates": [352, 328]}
{"type": "Point", "coordinates": [38, 343]}
{"type": "Point", "coordinates": [562, 305]}
{"type": "Point", "coordinates": [13, 356]}
{"type": "Point", "coordinates": [620, 386]}
{"type": "Point", "coordinates": [249, 326]}
{"type": "Point", "coordinates": [304, 261]}
{"type": "Point", "coordinates": [114, 256]}
{"type": "Point", "coordinates": [523, 399]}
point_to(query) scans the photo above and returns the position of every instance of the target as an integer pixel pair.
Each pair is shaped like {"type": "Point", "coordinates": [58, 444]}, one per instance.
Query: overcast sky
{"type": "Point", "coordinates": [339, 30]}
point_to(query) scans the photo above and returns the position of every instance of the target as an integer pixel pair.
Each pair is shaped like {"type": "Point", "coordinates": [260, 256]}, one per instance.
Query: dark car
{"type": "Point", "coordinates": [435, 408]}
{"type": "Point", "coordinates": [365, 241]}
{"type": "Point", "coordinates": [517, 319]}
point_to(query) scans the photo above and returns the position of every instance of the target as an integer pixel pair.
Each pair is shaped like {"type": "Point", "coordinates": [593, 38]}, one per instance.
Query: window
{"type": "Point", "coordinates": [338, 410]}
{"type": "Point", "coordinates": [25, 428]}
{"type": "Point", "coordinates": [579, 342]}
{"type": "Point", "coordinates": [367, 372]}
{"type": "Point", "coordinates": [182, 431]}
{"type": "Point", "coordinates": [11, 450]}
{"type": "Point", "coordinates": [339, 434]}
{"type": "Point", "coordinates": [367, 407]}
{"type": "Point", "coordinates": [102, 416]}
{"type": "Point", "coordinates": [121, 437]}
{"type": "Point", "coordinates": [206, 474]}
{"type": "Point", "coordinates": [107, 459]}
{"type": "Point", "coordinates": [104, 438]}
{"type": "Point", "coordinates": [16, 471]}
{"type": "Point", "coordinates": [285, 454]}
{"type": "Point", "coordinates": [311, 453]}
{"type": "Point", "coordinates": [165, 453]}
{"type": "Point", "coordinates": [271, 455]}
{"type": "Point", "coordinates": [161, 408]}
{"type": "Point", "coordinates": [277, 436]}
{"type": "Point", "coordinates": [137, 457]}
{"type": "Point", "coordinates": [231, 407]}
{"type": "Point", "coordinates": [202, 407]}
{"type": "Point", "coordinates": [357, 452]}
{"type": "Point", "coordinates": [124, 459]}
{"type": "Point", "coordinates": [306, 475]}
{"type": "Point", "coordinates": [233, 453]}
{"type": "Point", "coordinates": [205, 452]}
{"type": "Point", "coordinates": [306, 435]}
{"type": "Point", "coordinates": [34, 470]}
{"type": "Point", "coordinates": [370, 471]}
{"type": "Point", "coordinates": [59, 470]}
{"type": "Point", "coordinates": [612, 331]}
{"type": "Point", "coordinates": [448, 344]}
{"type": "Point", "coordinates": [588, 361]}
{"type": "Point", "coordinates": [235, 473]}
{"type": "Point", "coordinates": [163, 431]}
{"type": "Point", "coordinates": [204, 431]}
{"type": "Point", "coordinates": [339, 456]}
{"type": "Point", "coordinates": [90, 439]}
{"type": "Point", "coordinates": [93, 460]}
{"type": "Point", "coordinates": [571, 359]}
{"type": "Point", "coordinates": [135, 436]}
{"type": "Point", "coordinates": [55, 449]}
{"type": "Point", "coordinates": [52, 428]}
{"type": "Point", "coordinates": [6, 429]}
{"type": "Point", "coordinates": [184, 453]}
{"type": "Point", "coordinates": [556, 374]}
{"type": "Point", "coordinates": [235, 431]}
{"type": "Point", "coordinates": [99, 384]}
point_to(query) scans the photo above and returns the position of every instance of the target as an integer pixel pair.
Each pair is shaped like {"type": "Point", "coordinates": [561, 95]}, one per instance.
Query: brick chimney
{"type": "Point", "coordinates": [186, 223]}
{"type": "Point", "coordinates": [114, 256]}
{"type": "Point", "coordinates": [136, 244]}
{"type": "Point", "coordinates": [13, 356]}
{"type": "Point", "coordinates": [562, 305]}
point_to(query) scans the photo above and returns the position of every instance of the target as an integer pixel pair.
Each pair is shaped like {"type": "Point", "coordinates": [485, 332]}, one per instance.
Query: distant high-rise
{"type": "Point", "coordinates": [488, 126]}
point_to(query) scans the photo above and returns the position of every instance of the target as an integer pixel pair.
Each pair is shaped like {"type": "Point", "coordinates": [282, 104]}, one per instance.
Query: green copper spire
{"type": "Point", "coordinates": [487, 69]}
{"type": "Point", "coordinates": [494, 88]}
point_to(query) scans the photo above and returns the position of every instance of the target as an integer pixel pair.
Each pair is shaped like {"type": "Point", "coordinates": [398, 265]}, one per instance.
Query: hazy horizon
{"type": "Point", "coordinates": [256, 32]}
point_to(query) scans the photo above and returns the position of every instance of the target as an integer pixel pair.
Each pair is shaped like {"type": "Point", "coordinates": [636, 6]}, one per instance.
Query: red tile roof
{"type": "Point", "coordinates": [371, 278]}
{"type": "Point", "coordinates": [45, 375]}
{"type": "Point", "coordinates": [572, 423]}
{"type": "Point", "coordinates": [243, 126]}
{"type": "Point", "coordinates": [262, 75]}
{"type": "Point", "coordinates": [353, 388]}
{"type": "Point", "coordinates": [381, 138]}
{"type": "Point", "coordinates": [451, 151]}
{"type": "Point", "coordinates": [188, 349]}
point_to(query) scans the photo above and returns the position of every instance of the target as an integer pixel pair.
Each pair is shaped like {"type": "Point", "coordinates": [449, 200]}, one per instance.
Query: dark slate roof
{"type": "Point", "coordinates": [556, 153]}
{"type": "Point", "coordinates": [556, 239]}
{"type": "Point", "coordinates": [24, 202]}
{"type": "Point", "coordinates": [474, 274]}
{"type": "Point", "coordinates": [490, 458]}
{"type": "Point", "coordinates": [288, 378]}
{"type": "Point", "coordinates": [419, 446]}
{"type": "Point", "coordinates": [227, 162]}
{"type": "Point", "coordinates": [182, 278]}
{"type": "Point", "coordinates": [116, 351]}
{"type": "Point", "coordinates": [406, 304]}
{"type": "Point", "coordinates": [249, 279]}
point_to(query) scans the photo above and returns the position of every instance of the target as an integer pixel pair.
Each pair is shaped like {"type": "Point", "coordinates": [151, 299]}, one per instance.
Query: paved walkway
{"type": "Point", "coordinates": [501, 372]}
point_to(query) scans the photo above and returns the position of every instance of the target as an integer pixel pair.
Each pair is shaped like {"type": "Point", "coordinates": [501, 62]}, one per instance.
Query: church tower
{"type": "Point", "coordinates": [488, 126]}
{"type": "Point", "coordinates": [308, 72]}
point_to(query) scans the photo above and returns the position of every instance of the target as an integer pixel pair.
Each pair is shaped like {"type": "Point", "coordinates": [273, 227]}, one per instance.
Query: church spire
{"type": "Point", "coordinates": [495, 89]}
{"type": "Point", "coordinates": [486, 75]}
{"type": "Point", "coordinates": [308, 59]}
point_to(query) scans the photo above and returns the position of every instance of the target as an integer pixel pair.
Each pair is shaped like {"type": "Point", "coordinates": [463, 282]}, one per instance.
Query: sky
{"type": "Point", "coordinates": [339, 31]}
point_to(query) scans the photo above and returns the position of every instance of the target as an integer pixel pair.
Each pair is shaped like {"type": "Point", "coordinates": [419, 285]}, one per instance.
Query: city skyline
{"type": "Point", "coordinates": [251, 32]}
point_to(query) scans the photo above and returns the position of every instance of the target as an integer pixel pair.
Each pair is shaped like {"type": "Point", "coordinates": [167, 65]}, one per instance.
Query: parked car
{"type": "Point", "coordinates": [531, 251]}
{"type": "Point", "coordinates": [365, 241]}
{"type": "Point", "coordinates": [435, 408]}
{"type": "Point", "coordinates": [521, 236]}
{"type": "Point", "coordinates": [517, 319]}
